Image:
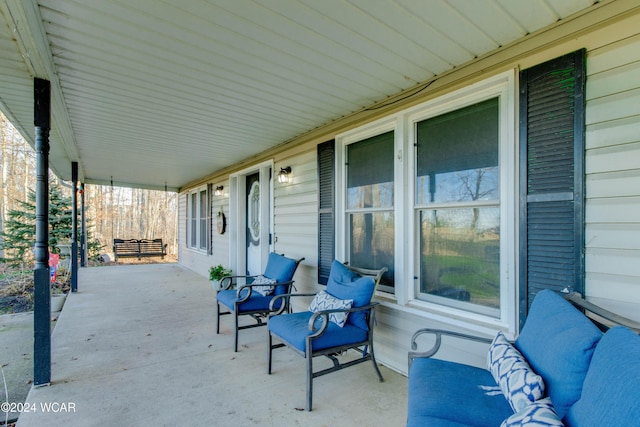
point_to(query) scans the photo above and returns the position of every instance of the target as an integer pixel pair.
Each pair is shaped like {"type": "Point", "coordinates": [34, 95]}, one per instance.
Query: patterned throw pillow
{"type": "Point", "coordinates": [538, 414]}
{"type": "Point", "coordinates": [263, 290]}
{"type": "Point", "coordinates": [518, 382]}
{"type": "Point", "coordinates": [325, 301]}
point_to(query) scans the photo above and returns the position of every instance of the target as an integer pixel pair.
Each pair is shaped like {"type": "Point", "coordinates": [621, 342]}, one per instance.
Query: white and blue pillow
{"type": "Point", "coordinates": [518, 382]}
{"type": "Point", "coordinates": [325, 301]}
{"type": "Point", "coordinates": [537, 414]}
{"type": "Point", "coordinates": [266, 289]}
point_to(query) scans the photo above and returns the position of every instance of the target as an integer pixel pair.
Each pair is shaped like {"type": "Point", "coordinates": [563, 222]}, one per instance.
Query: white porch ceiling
{"type": "Point", "coordinates": [159, 92]}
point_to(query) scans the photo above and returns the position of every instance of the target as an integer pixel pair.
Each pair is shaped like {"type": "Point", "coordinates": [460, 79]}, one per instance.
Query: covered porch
{"type": "Point", "coordinates": [136, 346]}
{"type": "Point", "coordinates": [196, 96]}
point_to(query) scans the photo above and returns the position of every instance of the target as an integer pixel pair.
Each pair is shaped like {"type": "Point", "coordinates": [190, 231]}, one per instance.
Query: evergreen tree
{"type": "Point", "coordinates": [18, 239]}
{"type": "Point", "coordinates": [94, 247]}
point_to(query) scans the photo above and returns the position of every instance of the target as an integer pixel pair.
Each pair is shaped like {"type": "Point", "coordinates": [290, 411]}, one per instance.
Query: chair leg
{"type": "Point", "coordinates": [235, 315]}
{"type": "Point", "coordinates": [375, 364]}
{"type": "Point", "coordinates": [309, 376]}
{"type": "Point", "coordinates": [270, 349]}
{"type": "Point", "coordinates": [217, 318]}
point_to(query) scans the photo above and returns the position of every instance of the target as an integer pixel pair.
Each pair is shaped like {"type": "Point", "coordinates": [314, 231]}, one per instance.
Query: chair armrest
{"type": "Point", "coordinates": [325, 317]}
{"type": "Point", "coordinates": [272, 304]}
{"type": "Point", "coordinates": [576, 299]}
{"type": "Point", "coordinates": [438, 333]}
{"type": "Point", "coordinates": [250, 287]}
{"type": "Point", "coordinates": [231, 281]}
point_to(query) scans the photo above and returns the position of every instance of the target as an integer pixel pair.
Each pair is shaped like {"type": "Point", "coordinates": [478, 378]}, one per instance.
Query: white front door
{"type": "Point", "coordinates": [250, 204]}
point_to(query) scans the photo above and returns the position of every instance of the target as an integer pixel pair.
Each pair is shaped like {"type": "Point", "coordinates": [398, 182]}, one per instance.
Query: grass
{"type": "Point", "coordinates": [478, 276]}
{"type": "Point", "coordinates": [16, 289]}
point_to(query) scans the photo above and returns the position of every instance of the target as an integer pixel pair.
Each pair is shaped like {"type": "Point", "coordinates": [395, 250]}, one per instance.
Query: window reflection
{"type": "Point", "coordinates": [203, 220]}
{"type": "Point", "coordinates": [460, 254]}
{"type": "Point", "coordinates": [370, 199]}
{"type": "Point", "coordinates": [457, 163]}
{"type": "Point", "coordinates": [460, 186]}
{"type": "Point", "coordinates": [371, 196]}
{"type": "Point", "coordinates": [372, 237]}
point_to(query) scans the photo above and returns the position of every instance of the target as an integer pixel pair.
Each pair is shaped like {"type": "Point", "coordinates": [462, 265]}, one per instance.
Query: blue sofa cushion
{"type": "Point", "coordinates": [441, 390]}
{"type": "Point", "coordinates": [257, 301]}
{"type": "Point", "coordinates": [612, 387]}
{"type": "Point", "coordinates": [558, 342]}
{"type": "Point", "coordinates": [520, 385]}
{"type": "Point", "coordinates": [346, 284]}
{"type": "Point", "coordinates": [281, 269]}
{"type": "Point", "coordinates": [422, 421]}
{"type": "Point", "coordinates": [537, 414]}
{"type": "Point", "coordinates": [293, 329]}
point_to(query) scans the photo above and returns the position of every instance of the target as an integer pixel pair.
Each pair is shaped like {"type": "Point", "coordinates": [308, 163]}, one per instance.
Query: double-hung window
{"type": "Point", "coordinates": [457, 207]}
{"type": "Point", "coordinates": [464, 201]}
{"type": "Point", "coordinates": [446, 197]}
{"type": "Point", "coordinates": [198, 219]}
{"type": "Point", "coordinates": [430, 193]}
{"type": "Point", "coordinates": [369, 217]}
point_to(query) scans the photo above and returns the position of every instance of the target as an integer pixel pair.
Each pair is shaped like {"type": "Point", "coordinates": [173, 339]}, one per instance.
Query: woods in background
{"type": "Point", "coordinates": [132, 213]}
{"type": "Point", "coordinates": [112, 212]}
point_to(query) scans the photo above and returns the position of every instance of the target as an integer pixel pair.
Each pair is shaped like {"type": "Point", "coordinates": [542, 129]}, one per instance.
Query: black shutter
{"type": "Point", "coordinates": [326, 219]}
{"type": "Point", "coordinates": [186, 225]}
{"type": "Point", "coordinates": [552, 177]}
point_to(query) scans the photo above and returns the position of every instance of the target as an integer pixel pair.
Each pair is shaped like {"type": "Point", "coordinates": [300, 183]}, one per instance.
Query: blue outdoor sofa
{"type": "Point", "coordinates": [562, 370]}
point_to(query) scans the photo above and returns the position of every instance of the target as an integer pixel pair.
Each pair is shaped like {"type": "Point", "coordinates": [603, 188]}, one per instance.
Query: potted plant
{"type": "Point", "coordinates": [216, 273]}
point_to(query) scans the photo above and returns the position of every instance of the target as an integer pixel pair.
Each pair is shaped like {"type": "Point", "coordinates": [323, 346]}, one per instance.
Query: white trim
{"type": "Point", "coordinates": [387, 124]}
{"type": "Point", "coordinates": [503, 86]}
{"type": "Point", "coordinates": [252, 169]}
{"type": "Point", "coordinates": [195, 246]}
{"type": "Point", "coordinates": [237, 207]}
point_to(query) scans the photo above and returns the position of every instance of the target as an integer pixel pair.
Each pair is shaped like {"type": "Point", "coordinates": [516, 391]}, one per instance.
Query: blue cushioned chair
{"type": "Point", "coordinates": [243, 300]}
{"type": "Point", "coordinates": [312, 334]}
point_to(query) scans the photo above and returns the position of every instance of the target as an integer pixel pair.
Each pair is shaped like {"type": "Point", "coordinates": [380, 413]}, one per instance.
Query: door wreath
{"type": "Point", "coordinates": [221, 223]}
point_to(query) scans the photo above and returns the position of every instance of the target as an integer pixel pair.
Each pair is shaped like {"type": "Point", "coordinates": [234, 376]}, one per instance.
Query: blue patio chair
{"type": "Point", "coordinates": [339, 318]}
{"type": "Point", "coordinates": [253, 297]}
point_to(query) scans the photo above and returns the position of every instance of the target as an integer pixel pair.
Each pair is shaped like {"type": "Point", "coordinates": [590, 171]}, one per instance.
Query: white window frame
{"type": "Point", "coordinates": [342, 142]}
{"type": "Point", "coordinates": [194, 216]}
{"type": "Point", "coordinates": [403, 123]}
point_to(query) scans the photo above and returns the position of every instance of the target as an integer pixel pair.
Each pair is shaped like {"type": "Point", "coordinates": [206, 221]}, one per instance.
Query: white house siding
{"type": "Point", "coordinates": [612, 191]}
{"type": "Point", "coordinates": [613, 176]}
{"type": "Point", "coordinates": [220, 242]}
{"type": "Point", "coordinates": [296, 219]}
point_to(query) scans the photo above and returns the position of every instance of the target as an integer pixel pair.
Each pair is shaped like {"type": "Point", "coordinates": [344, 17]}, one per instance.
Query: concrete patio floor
{"type": "Point", "coordinates": [136, 346]}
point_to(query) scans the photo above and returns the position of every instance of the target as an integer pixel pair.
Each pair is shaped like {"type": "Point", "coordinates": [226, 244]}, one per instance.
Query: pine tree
{"type": "Point", "coordinates": [18, 239]}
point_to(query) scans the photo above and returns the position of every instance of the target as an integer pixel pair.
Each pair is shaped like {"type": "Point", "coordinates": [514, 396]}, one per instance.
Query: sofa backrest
{"type": "Point", "coordinates": [612, 386]}
{"type": "Point", "coordinates": [558, 341]}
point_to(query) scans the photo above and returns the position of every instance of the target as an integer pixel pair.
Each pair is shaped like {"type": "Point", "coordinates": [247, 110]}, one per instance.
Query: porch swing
{"type": "Point", "coordinates": [137, 248]}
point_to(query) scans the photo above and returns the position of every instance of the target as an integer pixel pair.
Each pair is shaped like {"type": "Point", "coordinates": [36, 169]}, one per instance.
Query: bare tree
{"type": "Point", "coordinates": [114, 212]}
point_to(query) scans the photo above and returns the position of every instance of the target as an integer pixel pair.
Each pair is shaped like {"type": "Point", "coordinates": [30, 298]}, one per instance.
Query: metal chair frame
{"type": "Point", "coordinates": [228, 282]}
{"type": "Point", "coordinates": [365, 347]}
